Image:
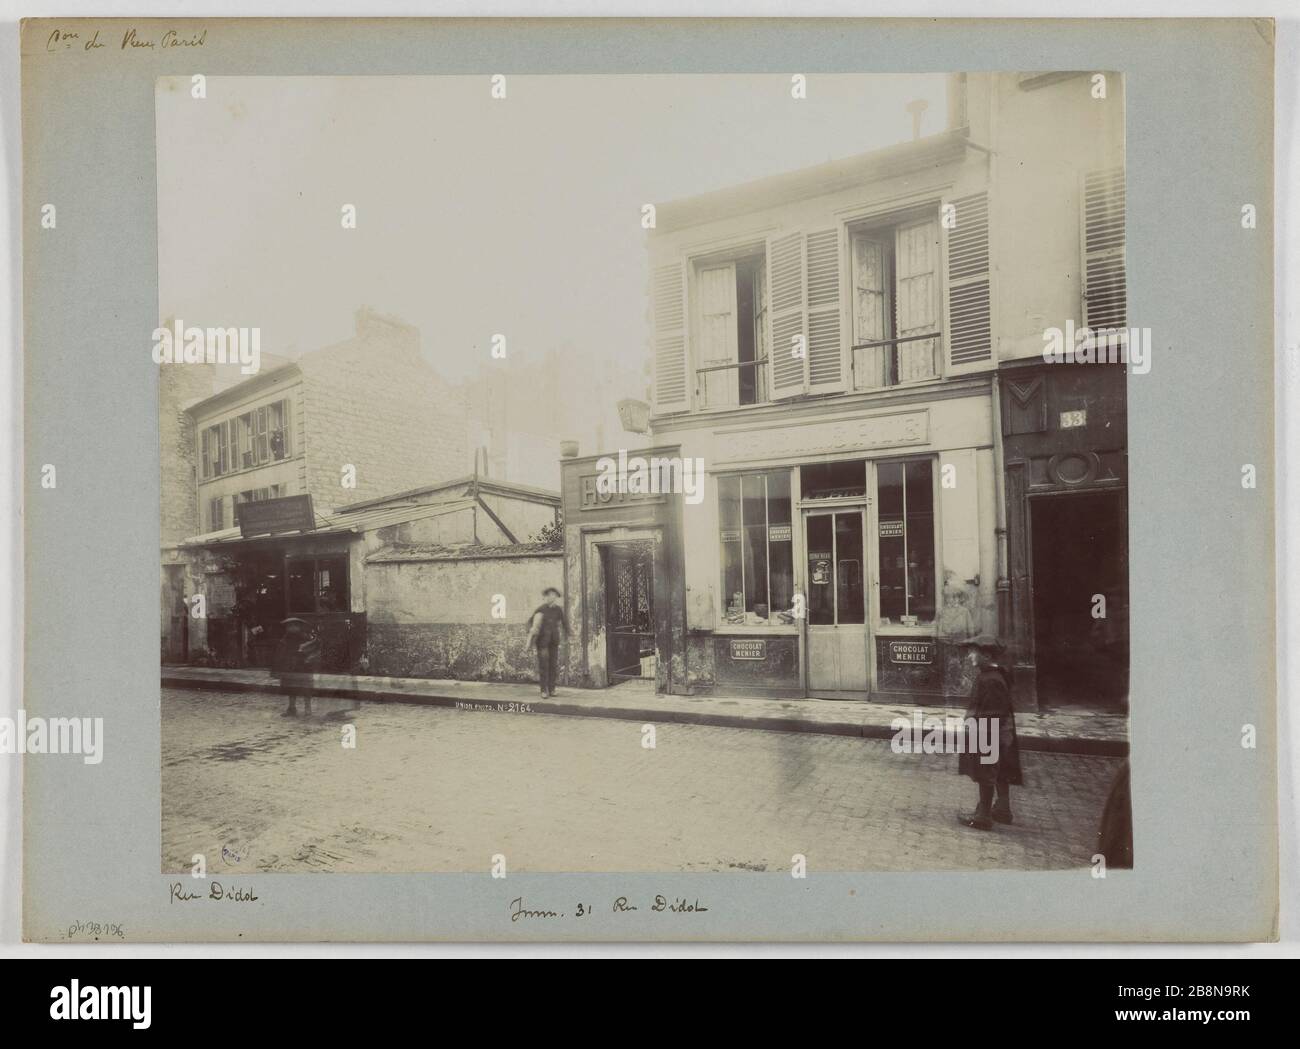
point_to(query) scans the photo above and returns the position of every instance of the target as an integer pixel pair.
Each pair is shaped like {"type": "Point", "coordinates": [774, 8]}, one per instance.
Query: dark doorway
{"type": "Point", "coordinates": [1080, 557]}
{"type": "Point", "coordinates": [629, 611]}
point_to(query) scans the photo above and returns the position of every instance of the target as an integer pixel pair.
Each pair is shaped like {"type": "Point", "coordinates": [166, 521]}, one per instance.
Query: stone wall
{"type": "Point", "coordinates": [432, 615]}
{"type": "Point", "coordinates": [373, 402]}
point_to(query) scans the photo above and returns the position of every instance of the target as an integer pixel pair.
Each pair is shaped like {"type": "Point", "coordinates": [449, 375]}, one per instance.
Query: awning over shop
{"type": "Point", "coordinates": [364, 519]}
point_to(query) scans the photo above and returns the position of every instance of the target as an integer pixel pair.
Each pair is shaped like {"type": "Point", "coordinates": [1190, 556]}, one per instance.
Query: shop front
{"type": "Point", "coordinates": [278, 562]}
{"type": "Point", "coordinates": [842, 555]}
{"type": "Point", "coordinates": [250, 588]}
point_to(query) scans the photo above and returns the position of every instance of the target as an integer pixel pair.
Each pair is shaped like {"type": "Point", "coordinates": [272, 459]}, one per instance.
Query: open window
{"type": "Point", "coordinates": [731, 332]}
{"type": "Point", "coordinates": [895, 302]}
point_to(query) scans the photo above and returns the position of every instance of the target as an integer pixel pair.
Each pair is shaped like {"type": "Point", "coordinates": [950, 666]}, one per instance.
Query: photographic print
{"type": "Point", "coordinates": [648, 480]}
{"type": "Point", "coordinates": [795, 432]}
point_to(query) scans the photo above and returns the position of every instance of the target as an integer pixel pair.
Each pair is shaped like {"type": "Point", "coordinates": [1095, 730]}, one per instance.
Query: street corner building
{"type": "Point", "coordinates": [855, 353]}
{"type": "Point", "coordinates": [305, 491]}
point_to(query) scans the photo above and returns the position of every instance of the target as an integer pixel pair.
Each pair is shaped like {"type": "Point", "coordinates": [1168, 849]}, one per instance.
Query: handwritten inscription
{"type": "Point", "coordinates": [131, 40]}
{"type": "Point", "coordinates": [178, 893]}
{"type": "Point", "coordinates": [95, 930]}
{"type": "Point", "coordinates": [522, 911]}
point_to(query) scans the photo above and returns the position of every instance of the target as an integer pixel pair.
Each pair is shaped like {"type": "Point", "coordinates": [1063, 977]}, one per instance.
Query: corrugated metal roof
{"type": "Point", "coordinates": [350, 521]}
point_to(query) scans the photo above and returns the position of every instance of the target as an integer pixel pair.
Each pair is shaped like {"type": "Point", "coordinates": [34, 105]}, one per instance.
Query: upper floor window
{"type": "Point", "coordinates": [731, 332]}
{"type": "Point", "coordinates": [862, 304]}
{"type": "Point", "coordinates": [257, 437]}
{"type": "Point", "coordinates": [895, 305]}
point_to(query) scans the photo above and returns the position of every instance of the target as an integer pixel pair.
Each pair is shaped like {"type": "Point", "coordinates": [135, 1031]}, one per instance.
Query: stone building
{"type": "Point", "coordinates": [337, 427]}
{"type": "Point", "coordinates": [830, 344]}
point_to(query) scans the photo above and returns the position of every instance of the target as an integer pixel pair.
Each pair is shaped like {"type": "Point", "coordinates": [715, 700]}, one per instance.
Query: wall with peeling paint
{"type": "Point", "coordinates": [433, 615]}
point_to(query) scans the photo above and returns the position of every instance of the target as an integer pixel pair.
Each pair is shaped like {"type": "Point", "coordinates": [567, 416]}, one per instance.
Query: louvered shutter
{"type": "Point", "coordinates": [970, 313]}
{"type": "Point", "coordinates": [916, 261]}
{"type": "Point", "coordinates": [715, 336]}
{"type": "Point", "coordinates": [825, 351]}
{"type": "Point", "coordinates": [672, 392]}
{"type": "Point", "coordinates": [785, 266]}
{"type": "Point", "coordinates": [1105, 302]}
{"type": "Point", "coordinates": [869, 302]}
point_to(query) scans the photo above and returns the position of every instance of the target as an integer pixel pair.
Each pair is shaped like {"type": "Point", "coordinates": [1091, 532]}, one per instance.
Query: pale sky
{"type": "Point", "coordinates": [474, 216]}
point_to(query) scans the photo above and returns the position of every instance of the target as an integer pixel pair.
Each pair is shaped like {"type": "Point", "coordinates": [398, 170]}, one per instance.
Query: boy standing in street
{"type": "Point", "coordinates": [546, 625]}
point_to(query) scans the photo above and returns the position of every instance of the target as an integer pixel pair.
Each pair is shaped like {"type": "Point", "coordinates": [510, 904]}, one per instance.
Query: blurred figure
{"type": "Point", "coordinates": [990, 710]}
{"type": "Point", "coordinates": [296, 658]}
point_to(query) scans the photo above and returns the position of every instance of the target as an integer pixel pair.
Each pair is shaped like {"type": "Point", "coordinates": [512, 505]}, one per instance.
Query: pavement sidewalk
{"type": "Point", "coordinates": [1074, 732]}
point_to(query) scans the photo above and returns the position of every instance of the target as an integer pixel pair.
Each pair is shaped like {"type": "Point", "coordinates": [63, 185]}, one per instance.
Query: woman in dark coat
{"type": "Point", "coordinates": [295, 658]}
{"type": "Point", "coordinates": [990, 710]}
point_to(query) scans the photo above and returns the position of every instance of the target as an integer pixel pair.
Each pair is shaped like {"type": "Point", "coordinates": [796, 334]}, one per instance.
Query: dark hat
{"type": "Point", "coordinates": [551, 590]}
{"type": "Point", "coordinates": [293, 621]}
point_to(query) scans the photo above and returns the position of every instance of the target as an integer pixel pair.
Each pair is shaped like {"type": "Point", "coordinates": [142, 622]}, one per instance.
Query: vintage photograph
{"type": "Point", "coordinates": [620, 473]}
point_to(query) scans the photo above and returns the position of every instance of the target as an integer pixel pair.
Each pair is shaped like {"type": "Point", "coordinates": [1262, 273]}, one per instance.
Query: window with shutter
{"type": "Point", "coordinates": [870, 310]}
{"type": "Point", "coordinates": [669, 301]}
{"type": "Point", "coordinates": [1105, 303]}
{"type": "Point", "coordinates": [970, 324]}
{"type": "Point", "coordinates": [716, 344]}
{"type": "Point", "coordinates": [789, 330]}
{"type": "Point", "coordinates": [917, 261]}
{"type": "Point", "coordinates": [825, 353]}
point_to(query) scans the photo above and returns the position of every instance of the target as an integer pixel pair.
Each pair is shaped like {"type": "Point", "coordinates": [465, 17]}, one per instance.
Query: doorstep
{"type": "Point", "coordinates": [1074, 732]}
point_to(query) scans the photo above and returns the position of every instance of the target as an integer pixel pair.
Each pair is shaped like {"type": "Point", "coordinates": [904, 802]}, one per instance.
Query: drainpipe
{"type": "Point", "coordinates": [1003, 585]}
{"type": "Point", "coordinates": [1000, 530]}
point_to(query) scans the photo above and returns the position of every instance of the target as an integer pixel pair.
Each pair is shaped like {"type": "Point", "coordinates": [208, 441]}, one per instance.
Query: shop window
{"type": "Point", "coordinates": [834, 480]}
{"type": "Point", "coordinates": [757, 548]}
{"type": "Point", "coordinates": [318, 585]}
{"type": "Point", "coordinates": [905, 533]}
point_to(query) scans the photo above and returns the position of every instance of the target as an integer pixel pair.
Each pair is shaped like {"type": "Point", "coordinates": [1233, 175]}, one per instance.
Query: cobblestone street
{"type": "Point", "coordinates": [429, 789]}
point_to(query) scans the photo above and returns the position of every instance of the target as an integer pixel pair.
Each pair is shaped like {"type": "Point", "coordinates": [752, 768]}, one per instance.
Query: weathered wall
{"type": "Point", "coordinates": [373, 402]}
{"type": "Point", "coordinates": [178, 386]}
{"type": "Point", "coordinates": [458, 526]}
{"type": "Point", "coordinates": [433, 616]}
{"type": "Point", "coordinates": [524, 519]}
{"type": "Point", "coordinates": [1045, 138]}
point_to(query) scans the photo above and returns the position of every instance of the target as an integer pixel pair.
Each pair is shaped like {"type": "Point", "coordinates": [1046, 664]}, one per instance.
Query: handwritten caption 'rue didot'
{"type": "Point", "coordinates": [622, 905]}
{"type": "Point", "coordinates": [178, 893]}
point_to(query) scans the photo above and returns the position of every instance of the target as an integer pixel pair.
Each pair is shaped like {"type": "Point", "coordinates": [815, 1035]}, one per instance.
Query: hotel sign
{"type": "Point", "coordinates": [795, 441]}
{"type": "Point", "coordinates": [592, 497]}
